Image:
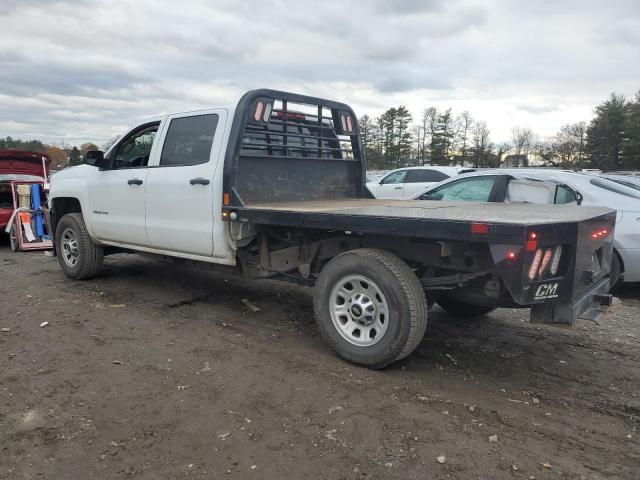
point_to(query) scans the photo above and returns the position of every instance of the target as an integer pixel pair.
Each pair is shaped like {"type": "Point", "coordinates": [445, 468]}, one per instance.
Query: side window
{"type": "Point", "coordinates": [6, 198]}
{"type": "Point", "coordinates": [134, 151]}
{"type": "Point", "coordinates": [395, 177]}
{"type": "Point", "coordinates": [528, 190]}
{"type": "Point", "coordinates": [418, 176]}
{"type": "Point", "coordinates": [477, 189]}
{"type": "Point", "coordinates": [189, 140]}
{"type": "Point", "coordinates": [564, 195]}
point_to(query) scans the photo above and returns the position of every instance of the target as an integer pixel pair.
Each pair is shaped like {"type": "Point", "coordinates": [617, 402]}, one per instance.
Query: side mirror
{"type": "Point", "coordinates": [579, 198]}
{"type": "Point", "coordinates": [95, 158]}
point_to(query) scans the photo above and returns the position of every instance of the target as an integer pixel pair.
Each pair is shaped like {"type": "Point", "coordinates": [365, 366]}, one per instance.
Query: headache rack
{"type": "Point", "coordinates": [288, 147]}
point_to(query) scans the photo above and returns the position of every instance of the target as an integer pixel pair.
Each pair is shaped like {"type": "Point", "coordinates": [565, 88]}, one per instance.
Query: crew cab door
{"type": "Point", "coordinates": [179, 195]}
{"type": "Point", "coordinates": [116, 193]}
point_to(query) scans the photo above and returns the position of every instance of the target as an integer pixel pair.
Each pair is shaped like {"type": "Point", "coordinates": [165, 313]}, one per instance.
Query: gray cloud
{"type": "Point", "coordinates": [82, 69]}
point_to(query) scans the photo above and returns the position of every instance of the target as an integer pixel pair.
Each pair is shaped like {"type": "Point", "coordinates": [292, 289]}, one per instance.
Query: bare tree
{"type": "Point", "coordinates": [109, 143]}
{"type": "Point", "coordinates": [466, 124]}
{"type": "Point", "coordinates": [522, 139]}
{"type": "Point", "coordinates": [579, 133]}
{"type": "Point", "coordinates": [366, 130]}
{"type": "Point", "coordinates": [428, 126]}
{"type": "Point", "coordinates": [568, 146]}
{"type": "Point", "coordinates": [417, 134]}
{"type": "Point", "coordinates": [500, 150]}
{"type": "Point", "coordinates": [481, 144]}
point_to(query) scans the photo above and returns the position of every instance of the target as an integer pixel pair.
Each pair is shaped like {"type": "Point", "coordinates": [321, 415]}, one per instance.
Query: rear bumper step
{"type": "Point", "coordinates": [589, 306]}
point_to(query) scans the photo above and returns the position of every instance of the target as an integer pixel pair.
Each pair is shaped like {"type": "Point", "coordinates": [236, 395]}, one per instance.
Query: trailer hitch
{"type": "Point", "coordinates": [605, 299]}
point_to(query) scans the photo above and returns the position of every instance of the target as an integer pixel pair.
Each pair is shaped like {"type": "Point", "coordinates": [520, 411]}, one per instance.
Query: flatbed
{"type": "Point", "coordinates": [419, 218]}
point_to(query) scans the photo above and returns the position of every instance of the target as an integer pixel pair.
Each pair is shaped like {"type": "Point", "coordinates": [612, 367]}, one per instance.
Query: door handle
{"type": "Point", "coordinates": [135, 181]}
{"type": "Point", "coordinates": [199, 181]}
{"type": "Point", "coordinates": [397, 188]}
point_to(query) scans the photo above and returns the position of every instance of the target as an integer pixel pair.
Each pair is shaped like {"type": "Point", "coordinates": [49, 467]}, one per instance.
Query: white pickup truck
{"type": "Point", "coordinates": [275, 186]}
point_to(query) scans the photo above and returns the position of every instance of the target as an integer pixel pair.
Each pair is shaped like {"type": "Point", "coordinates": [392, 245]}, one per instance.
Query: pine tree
{"type": "Point", "coordinates": [74, 156]}
{"type": "Point", "coordinates": [403, 136]}
{"type": "Point", "coordinates": [605, 134]}
{"type": "Point", "coordinates": [442, 138]}
{"type": "Point", "coordinates": [631, 136]}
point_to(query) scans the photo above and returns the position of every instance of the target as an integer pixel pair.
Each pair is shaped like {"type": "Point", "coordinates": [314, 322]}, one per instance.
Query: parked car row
{"type": "Point", "coordinates": [407, 182]}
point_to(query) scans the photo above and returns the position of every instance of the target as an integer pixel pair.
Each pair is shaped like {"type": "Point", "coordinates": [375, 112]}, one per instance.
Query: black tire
{"type": "Point", "coordinates": [462, 310]}
{"type": "Point", "coordinates": [405, 302]}
{"type": "Point", "coordinates": [616, 272]}
{"type": "Point", "coordinates": [13, 238]}
{"type": "Point", "coordinates": [89, 255]}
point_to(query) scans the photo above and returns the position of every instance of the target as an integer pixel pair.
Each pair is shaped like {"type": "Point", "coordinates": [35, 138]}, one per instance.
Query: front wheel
{"type": "Point", "coordinates": [370, 307]}
{"type": "Point", "coordinates": [463, 310]}
{"type": "Point", "coordinates": [78, 255]}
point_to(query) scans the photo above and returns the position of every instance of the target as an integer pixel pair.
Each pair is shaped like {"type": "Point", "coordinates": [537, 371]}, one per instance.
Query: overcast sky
{"type": "Point", "coordinates": [82, 70]}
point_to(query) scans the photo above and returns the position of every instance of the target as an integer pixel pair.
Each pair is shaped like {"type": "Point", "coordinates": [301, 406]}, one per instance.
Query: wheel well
{"type": "Point", "coordinates": [60, 207]}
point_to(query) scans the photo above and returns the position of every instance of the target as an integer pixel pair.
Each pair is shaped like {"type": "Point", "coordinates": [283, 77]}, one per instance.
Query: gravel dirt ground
{"type": "Point", "coordinates": [158, 371]}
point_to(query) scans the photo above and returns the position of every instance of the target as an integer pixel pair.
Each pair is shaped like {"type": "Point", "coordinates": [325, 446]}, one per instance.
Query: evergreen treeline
{"type": "Point", "coordinates": [611, 141]}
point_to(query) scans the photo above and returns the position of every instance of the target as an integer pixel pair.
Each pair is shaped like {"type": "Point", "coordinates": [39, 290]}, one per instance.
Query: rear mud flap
{"type": "Point", "coordinates": [591, 306]}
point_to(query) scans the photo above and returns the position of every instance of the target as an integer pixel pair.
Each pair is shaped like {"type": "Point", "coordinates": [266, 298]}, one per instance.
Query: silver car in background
{"type": "Point", "coordinates": [557, 187]}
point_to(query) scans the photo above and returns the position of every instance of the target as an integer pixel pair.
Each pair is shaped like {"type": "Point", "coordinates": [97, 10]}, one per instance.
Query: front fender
{"type": "Point", "coordinates": [71, 185]}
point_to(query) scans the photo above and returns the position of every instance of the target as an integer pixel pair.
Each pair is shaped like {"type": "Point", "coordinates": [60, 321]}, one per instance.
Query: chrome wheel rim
{"type": "Point", "coordinates": [359, 310]}
{"type": "Point", "coordinates": [69, 243]}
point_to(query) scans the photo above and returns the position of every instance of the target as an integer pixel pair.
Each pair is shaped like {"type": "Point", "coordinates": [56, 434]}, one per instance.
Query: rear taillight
{"type": "Point", "coordinates": [600, 233]}
{"type": "Point", "coordinates": [555, 263]}
{"type": "Point", "coordinates": [545, 259]}
{"type": "Point", "coordinates": [545, 262]}
{"type": "Point", "coordinates": [535, 265]}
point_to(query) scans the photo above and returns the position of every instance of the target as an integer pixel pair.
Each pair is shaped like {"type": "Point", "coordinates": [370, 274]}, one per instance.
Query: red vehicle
{"type": "Point", "coordinates": [17, 165]}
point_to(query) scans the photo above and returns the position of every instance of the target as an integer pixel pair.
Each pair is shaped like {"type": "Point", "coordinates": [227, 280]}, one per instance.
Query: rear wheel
{"type": "Point", "coordinates": [616, 269]}
{"type": "Point", "coordinates": [78, 255]}
{"type": "Point", "coordinates": [13, 238]}
{"type": "Point", "coordinates": [370, 307]}
{"type": "Point", "coordinates": [459, 309]}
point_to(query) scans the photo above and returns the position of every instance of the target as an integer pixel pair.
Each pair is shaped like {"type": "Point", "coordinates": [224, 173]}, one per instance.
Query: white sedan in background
{"type": "Point", "coordinates": [557, 187]}
{"type": "Point", "coordinates": [407, 182]}
{"type": "Point", "coordinates": [632, 181]}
